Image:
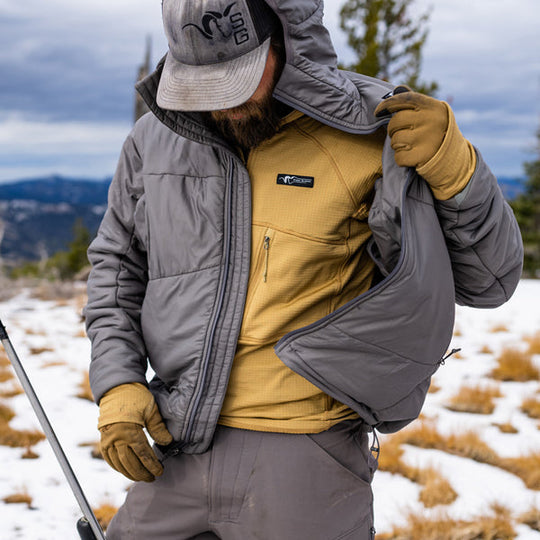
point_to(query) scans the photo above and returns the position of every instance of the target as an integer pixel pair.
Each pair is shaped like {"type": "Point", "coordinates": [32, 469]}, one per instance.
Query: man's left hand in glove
{"type": "Point", "coordinates": [424, 135]}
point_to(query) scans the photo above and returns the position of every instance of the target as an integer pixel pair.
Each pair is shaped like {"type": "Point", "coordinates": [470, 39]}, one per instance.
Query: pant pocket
{"type": "Point", "coordinates": [347, 446]}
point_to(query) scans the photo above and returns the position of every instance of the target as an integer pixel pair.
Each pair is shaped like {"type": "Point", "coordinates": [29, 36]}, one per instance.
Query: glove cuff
{"type": "Point", "coordinates": [451, 168]}
{"type": "Point", "coordinates": [124, 403]}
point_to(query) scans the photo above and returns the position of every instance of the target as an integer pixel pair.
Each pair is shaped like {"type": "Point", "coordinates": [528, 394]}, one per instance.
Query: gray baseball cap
{"type": "Point", "coordinates": [217, 52]}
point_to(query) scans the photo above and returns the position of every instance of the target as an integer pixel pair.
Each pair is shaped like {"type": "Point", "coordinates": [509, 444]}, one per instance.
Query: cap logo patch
{"type": "Point", "coordinates": [214, 20]}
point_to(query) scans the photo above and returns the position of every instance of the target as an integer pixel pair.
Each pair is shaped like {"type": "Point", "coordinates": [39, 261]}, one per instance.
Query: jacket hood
{"type": "Point", "coordinates": [311, 81]}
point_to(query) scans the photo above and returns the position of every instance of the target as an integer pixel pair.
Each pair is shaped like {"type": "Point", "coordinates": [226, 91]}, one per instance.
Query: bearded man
{"type": "Point", "coordinates": [284, 246]}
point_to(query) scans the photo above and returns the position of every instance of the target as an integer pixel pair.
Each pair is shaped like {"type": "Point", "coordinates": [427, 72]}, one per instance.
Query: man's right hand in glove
{"type": "Point", "coordinates": [123, 413]}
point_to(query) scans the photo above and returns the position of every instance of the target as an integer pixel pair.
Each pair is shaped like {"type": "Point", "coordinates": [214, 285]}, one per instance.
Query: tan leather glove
{"type": "Point", "coordinates": [424, 135]}
{"type": "Point", "coordinates": [123, 412]}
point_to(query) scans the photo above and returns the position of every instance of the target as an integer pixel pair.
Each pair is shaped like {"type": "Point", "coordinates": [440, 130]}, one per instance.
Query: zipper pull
{"type": "Point", "coordinates": [267, 249]}
{"type": "Point", "coordinates": [442, 361]}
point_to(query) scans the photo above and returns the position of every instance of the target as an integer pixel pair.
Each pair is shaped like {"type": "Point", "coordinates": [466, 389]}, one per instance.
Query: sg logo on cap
{"type": "Point", "coordinates": [234, 25]}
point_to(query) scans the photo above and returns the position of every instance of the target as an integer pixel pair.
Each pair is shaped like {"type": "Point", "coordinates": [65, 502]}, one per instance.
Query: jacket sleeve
{"type": "Point", "coordinates": [483, 240]}
{"type": "Point", "coordinates": [117, 284]}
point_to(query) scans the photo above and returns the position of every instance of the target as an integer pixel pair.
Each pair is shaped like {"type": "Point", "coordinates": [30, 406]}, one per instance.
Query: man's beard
{"type": "Point", "coordinates": [260, 121]}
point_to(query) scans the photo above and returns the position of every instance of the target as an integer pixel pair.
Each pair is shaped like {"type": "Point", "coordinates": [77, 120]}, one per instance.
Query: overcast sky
{"type": "Point", "coordinates": [68, 67]}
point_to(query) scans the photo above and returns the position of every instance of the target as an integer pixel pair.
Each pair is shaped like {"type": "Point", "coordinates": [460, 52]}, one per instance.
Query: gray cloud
{"type": "Point", "coordinates": [69, 67]}
{"type": "Point", "coordinates": [59, 71]}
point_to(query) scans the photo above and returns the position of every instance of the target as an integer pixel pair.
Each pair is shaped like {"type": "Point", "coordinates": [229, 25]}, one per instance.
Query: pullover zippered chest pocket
{"type": "Point", "coordinates": [290, 283]}
{"type": "Point", "coordinates": [266, 246]}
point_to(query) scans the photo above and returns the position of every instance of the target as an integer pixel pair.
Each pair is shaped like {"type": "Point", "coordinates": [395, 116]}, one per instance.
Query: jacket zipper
{"type": "Point", "coordinates": [221, 295]}
{"type": "Point", "coordinates": [266, 255]}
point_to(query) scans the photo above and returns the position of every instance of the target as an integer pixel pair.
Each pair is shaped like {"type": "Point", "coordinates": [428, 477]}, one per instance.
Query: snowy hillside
{"type": "Point", "coordinates": [48, 336]}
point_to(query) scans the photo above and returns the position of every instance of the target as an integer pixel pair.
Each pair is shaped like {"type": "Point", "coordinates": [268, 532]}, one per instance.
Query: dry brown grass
{"type": "Point", "coordinates": [20, 497]}
{"type": "Point", "coordinates": [515, 365]}
{"type": "Point", "coordinates": [12, 391]}
{"type": "Point", "coordinates": [494, 526]}
{"type": "Point", "coordinates": [85, 392]}
{"type": "Point", "coordinates": [6, 375]}
{"type": "Point", "coordinates": [81, 334]}
{"type": "Point", "coordinates": [80, 301]}
{"type": "Point", "coordinates": [4, 360]}
{"type": "Point", "coordinates": [507, 427]}
{"type": "Point", "coordinates": [424, 435]}
{"type": "Point", "coordinates": [8, 288]}
{"type": "Point", "coordinates": [34, 332]}
{"type": "Point", "coordinates": [29, 454]}
{"type": "Point", "coordinates": [531, 407]}
{"type": "Point", "coordinates": [436, 488]}
{"type": "Point", "coordinates": [469, 445]}
{"type": "Point", "coordinates": [6, 413]}
{"type": "Point", "coordinates": [527, 467]}
{"type": "Point", "coordinates": [55, 290]}
{"type": "Point", "coordinates": [391, 454]}
{"type": "Point", "coordinates": [534, 343]}
{"type": "Point", "coordinates": [19, 438]}
{"type": "Point", "coordinates": [104, 514]}
{"type": "Point", "coordinates": [457, 332]}
{"type": "Point", "coordinates": [95, 451]}
{"type": "Point", "coordinates": [15, 438]}
{"type": "Point", "coordinates": [531, 518]}
{"type": "Point", "coordinates": [54, 363]}
{"type": "Point", "coordinates": [433, 388]}
{"type": "Point", "coordinates": [40, 350]}
{"type": "Point", "coordinates": [498, 328]}
{"type": "Point", "coordinates": [474, 399]}
{"type": "Point", "coordinates": [486, 350]}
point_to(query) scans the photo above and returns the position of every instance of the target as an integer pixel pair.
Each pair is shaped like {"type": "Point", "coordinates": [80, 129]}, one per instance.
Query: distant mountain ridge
{"type": "Point", "coordinates": [55, 189]}
{"type": "Point", "coordinates": [37, 215]}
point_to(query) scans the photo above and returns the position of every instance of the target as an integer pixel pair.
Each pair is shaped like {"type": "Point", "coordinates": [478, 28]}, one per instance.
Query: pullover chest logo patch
{"type": "Point", "coordinates": [295, 180]}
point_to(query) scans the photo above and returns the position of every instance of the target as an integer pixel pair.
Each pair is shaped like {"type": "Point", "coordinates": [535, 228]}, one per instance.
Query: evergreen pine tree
{"type": "Point", "coordinates": [63, 265]}
{"type": "Point", "coordinates": [527, 210]}
{"type": "Point", "coordinates": [387, 40]}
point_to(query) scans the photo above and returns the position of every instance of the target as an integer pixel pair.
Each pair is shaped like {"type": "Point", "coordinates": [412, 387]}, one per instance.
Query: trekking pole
{"type": "Point", "coordinates": [88, 526]}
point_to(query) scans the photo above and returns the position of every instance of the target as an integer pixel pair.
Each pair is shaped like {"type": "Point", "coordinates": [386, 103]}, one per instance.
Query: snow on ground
{"type": "Point", "coordinates": [56, 372]}
{"type": "Point", "coordinates": [478, 485]}
{"type": "Point", "coordinates": [32, 323]}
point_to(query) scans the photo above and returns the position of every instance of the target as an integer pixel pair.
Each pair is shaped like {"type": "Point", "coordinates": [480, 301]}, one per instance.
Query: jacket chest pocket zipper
{"type": "Point", "coordinates": [266, 246]}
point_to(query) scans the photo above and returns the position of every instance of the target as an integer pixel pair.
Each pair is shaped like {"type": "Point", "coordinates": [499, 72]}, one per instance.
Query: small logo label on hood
{"type": "Point", "coordinates": [295, 180]}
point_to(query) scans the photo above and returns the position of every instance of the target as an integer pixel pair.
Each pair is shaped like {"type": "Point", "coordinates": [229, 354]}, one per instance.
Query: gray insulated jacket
{"type": "Point", "coordinates": [171, 259]}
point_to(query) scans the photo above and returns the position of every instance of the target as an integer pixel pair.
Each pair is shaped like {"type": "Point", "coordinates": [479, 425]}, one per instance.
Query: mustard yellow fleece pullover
{"type": "Point", "coordinates": [307, 259]}
{"type": "Point", "coordinates": [312, 188]}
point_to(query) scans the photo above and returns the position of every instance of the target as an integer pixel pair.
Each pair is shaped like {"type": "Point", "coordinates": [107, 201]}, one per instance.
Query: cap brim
{"type": "Point", "coordinates": [183, 87]}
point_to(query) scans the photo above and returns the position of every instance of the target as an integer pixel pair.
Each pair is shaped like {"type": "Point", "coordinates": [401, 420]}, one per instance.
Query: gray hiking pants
{"type": "Point", "coordinates": [254, 485]}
